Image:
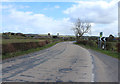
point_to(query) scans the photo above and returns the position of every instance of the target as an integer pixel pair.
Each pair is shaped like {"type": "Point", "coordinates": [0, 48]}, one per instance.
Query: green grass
{"type": "Point", "coordinates": [9, 55]}
{"type": "Point", "coordinates": [114, 54]}
{"type": "Point", "coordinates": [6, 41]}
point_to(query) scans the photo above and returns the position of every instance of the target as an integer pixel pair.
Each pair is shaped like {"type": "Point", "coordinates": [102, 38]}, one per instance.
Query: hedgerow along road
{"type": "Point", "coordinates": [64, 62]}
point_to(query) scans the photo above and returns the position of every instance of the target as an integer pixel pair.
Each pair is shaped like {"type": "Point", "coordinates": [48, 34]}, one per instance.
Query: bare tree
{"type": "Point", "coordinates": [80, 28]}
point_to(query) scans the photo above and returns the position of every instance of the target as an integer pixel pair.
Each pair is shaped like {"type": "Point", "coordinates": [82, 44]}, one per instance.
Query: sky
{"type": "Point", "coordinates": [42, 17]}
{"type": "Point", "coordinates": [119, 19]}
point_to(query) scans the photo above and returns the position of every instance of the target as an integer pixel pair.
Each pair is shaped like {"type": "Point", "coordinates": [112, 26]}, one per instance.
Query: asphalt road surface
{"type": "Point", "coordinates": [64, 62]}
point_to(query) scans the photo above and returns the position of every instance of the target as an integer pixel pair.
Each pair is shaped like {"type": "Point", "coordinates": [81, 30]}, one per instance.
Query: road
{"type": "Point", "coordinates": [64, 62]}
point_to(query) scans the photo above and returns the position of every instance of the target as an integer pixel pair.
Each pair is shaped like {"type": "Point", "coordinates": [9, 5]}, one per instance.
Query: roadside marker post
{"type": "Point", "coordinates": [101, 34]}
{"type": "Point", "coordinates": [104, 43]}
{"type": "Point", "coordinates": [100, 42]}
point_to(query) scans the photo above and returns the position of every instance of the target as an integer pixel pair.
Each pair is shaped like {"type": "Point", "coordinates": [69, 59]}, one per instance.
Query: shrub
{"type": "Point", "coordinates": [84, 42]}
{"type": "Point", "coordinates": [92, 44]}
{"type": "Point", "coordinates": [8, 48]}
{"type": "Point", "coordinates": [47, 41]}
{"type": "Point", "coordinates": [109, 46]}
{"type": "Point", "coordinates": [118, 47]}
{"type": "Point", "coordinates": [13, 47]}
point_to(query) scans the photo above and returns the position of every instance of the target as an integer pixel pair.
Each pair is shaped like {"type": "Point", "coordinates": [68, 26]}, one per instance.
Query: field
{"type": "Point", "coordinates": [21, 39]}
{"type": "Point", "coordinates": [15, 45]}
{"type": "Point", "coordinates": [6, 41]}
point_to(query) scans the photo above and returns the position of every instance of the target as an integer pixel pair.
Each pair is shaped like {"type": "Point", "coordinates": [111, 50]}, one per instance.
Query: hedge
{"type": "Point", "coordinates": [14, 47]}
{"type": "Point", "coordinates": [118, 47]}
{"type": "Point", "coordinates": [86, 42]}
{"type": "Point", "coordinates": [109, 45]}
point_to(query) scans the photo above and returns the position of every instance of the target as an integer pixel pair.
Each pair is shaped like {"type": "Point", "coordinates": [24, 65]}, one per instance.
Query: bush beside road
{"type": "Point", "coordinates": [14, 47]}
{"type": "Point", "coordinates": [7, 41]}
{"type": "Point", "coordinates": [20, 51]}
{"type": "Point", "coordinates": [111, 47]}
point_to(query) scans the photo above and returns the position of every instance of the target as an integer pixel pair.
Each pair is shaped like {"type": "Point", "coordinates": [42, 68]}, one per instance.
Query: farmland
{"type": "Point", "coordinates": [15, 44]}
{"type": "Point", "coordinates": [6, 41]}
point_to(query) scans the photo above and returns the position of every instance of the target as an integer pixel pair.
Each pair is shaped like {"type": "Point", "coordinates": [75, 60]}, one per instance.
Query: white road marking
{"type": "Point", "coordinates": [93, 75]}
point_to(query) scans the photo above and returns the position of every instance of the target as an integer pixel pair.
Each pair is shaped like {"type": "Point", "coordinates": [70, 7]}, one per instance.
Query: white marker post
{"type": "Point", "coordinates": [101, 33]}
{"type": "Point", "coordinates": [104, 43]}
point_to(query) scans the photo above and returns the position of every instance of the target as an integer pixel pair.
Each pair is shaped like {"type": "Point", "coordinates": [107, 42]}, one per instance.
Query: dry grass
{"type": "Point", "coordinates": [6, 41]}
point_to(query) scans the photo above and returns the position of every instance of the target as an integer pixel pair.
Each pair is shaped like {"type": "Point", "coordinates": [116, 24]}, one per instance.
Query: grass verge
{"type": "Point", "coordinates": [9, 55]}
{"type": "Point", "coordinates": [107, 52]}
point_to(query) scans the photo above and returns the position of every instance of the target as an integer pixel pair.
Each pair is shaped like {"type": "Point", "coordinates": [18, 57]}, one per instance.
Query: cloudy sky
{"type": "Point", "coordinates": [58, 17]}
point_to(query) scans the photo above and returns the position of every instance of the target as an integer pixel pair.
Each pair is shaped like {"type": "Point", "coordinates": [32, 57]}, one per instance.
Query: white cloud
{"type": "Point", "coordinates": [103, 15]}
{"type": "Point", "coordinates": [57, 6]}
{"type": "Point", "coordinates": [100, 12]}
{"type": "Point", "coordinates": [6, 7]}
{"type": "Point", "coordinates": [28, 22]}
{"type": "Point", "coordinates": [94, 11]}
{"type": "Point", "coordinates": [107, 29]}
{"type": "Point", "coordinates": [119, 17]}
